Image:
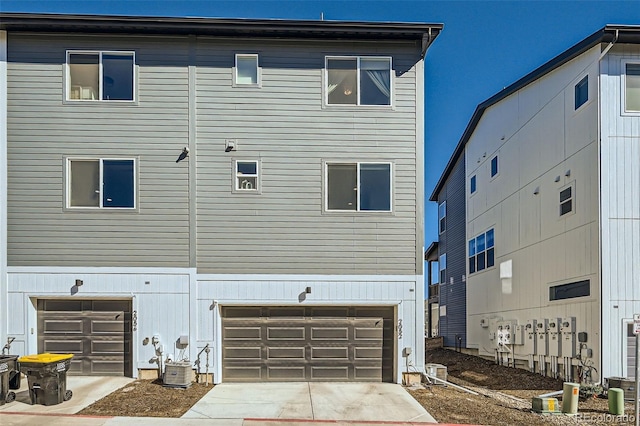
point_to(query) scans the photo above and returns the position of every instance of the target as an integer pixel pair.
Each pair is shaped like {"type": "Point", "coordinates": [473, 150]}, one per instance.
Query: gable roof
{"type": "Point", "coordinates": [608, 34]}
{"type": "Point", "coordinates": [233, 27]}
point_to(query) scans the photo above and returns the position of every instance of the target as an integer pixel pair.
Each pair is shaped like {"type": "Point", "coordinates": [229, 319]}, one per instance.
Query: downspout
{"type": "Point", "coordinates": [599, 133]}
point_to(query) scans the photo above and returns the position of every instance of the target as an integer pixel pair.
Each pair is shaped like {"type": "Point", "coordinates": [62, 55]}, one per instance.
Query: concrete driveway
{"type": "Point", "coordinates": [310, 401]}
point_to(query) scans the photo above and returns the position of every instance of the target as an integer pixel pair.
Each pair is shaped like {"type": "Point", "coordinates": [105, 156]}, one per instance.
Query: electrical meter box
{"type": "Point", "coordinates": [542, 334]}
{"type": "Point", "coordinates": [520, 334]}
{"type": "Point", "coordinates": [568, 333]}
{"type": "Point", "coordinates": [530, 337]}
{"type": "Point", "coordinates": [555, 339]}
{"type": "Point", "coordinates": [506, 333]}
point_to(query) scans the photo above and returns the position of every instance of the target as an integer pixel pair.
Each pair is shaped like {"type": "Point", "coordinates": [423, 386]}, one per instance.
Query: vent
{"type": "Point", "coordinates": [178, 374]}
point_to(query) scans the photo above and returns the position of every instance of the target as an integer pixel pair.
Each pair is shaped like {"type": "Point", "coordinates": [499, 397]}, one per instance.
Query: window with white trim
{"type": "Point", "coordinates": [632, 87]}
{"type": "Point", "coordinates": [358, 80]}
{"type": "Point", "coordinates": [100, 76]}
{"type": "Point", "coordinates": [481, 252]}
{"type": "Point", "coordinates": [358, 186]}
{"type": "Point", "coordinates": [246, 70]}
{"type": "Point", "coordinates": [566, 200]}
{"type": "Point", "coordinates": [494, 166]}
{"type": "Point", "coordinates": [442, 265]}
{"type": "Point", "coordinates": [473, 184]}
{"type": "Point", "coordinates": [581, 90]}
{"type": "Point", "coordinates": [247, 175]}
{"type": "Point", "coordinates": [101, 183]}
{"type": "Point", "coordinates": [442, 217]}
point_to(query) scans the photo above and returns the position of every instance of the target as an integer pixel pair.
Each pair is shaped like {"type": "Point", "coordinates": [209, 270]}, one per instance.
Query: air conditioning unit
{"type": "Point", "coordinates": [178, 374]}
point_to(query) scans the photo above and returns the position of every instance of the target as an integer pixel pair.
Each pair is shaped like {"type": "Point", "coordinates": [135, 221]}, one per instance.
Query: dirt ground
{"type": "Point", "coordinates": [505, 396]}
{"type": "Point", "coordinates": [148, 398]}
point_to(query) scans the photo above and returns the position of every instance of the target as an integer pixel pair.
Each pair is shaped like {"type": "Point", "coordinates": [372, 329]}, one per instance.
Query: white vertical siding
{"type": "Point", "coordinates": [3, 186]}
{"type": "Point", "coordinates": [620, 210]}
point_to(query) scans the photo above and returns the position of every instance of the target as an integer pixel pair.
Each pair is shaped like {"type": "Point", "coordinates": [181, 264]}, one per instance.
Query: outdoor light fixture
{"type": "Point", "coordinates": [308, 290]}
{"type": "Point", "coordinates": [79, 283]}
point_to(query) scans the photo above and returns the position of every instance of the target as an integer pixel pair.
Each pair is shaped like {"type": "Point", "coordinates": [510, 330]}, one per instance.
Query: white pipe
{"type": "Point", "coordinates": [451, 384]}
{"type": "Point", "coordinates": [550, 394]}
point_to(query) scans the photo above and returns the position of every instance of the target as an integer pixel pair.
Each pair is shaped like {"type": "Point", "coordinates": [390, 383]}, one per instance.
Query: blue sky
{"type": "Point", "coordinates": [485, 45]}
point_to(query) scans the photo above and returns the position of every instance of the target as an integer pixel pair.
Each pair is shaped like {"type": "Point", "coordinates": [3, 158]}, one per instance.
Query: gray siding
{"type": "Point", "coordinates": [42, 130]}
{"type": "Point", "coordinates": [284, 124]}
{"type": "Point", "coordinates": [453, 243]}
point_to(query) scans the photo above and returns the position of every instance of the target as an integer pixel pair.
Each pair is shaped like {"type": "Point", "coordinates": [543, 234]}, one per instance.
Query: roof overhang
{"type": "Point", "coordinates": [431, 253]}
{"type": "Point", "coordinates": [629, 34]}
{"type": "Point", "coordinates": [423, 33]}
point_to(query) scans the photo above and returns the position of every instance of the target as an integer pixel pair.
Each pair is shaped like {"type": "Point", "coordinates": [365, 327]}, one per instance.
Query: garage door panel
{"type": "Point", "coordinates": [293, 348]}
{"type": "Point", "coordinates": [96, 333]}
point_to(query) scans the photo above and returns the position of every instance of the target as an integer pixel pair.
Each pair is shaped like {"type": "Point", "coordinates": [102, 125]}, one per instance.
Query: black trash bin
{"type": "Point", "coordinates": [47, 377]}
{"type": "Point", "coordinates": [9, 378]}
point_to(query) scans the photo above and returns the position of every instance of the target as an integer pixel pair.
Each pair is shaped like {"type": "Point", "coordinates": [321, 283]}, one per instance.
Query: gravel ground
{"type": "Point", "coordinates": [504, 396]}
{"type": "Point", "coordinates": [148, 398]}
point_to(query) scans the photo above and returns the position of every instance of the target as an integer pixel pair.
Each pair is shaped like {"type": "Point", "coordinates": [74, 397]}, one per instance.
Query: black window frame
{"type": "Point", "coordinates": [581, 92]}
{"type": "Point", "coordinates": [570, 290]}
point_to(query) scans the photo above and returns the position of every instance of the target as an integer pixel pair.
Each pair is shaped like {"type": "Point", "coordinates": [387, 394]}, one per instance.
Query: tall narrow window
{"type": "Point", "coordinates": [494, 166]}
{"type": "Point", "coordinates": [472, 184]}
{"type": "Point", "coordinates": [582, 92]}
{"type": "Point", "coordinates": [247, 72]}
{"type": "Point", "coordinates": [358, 81]}
{"type": "Point", "coordinates": [472, 255]}
{"type": "Point", "coordinates": [442, 216]}
{"type": "Point", "coordinates": [566, 201]}
{"type": "Point", "coordinates": [442, 264]}
{"type": "Point", "coordinates": [101, 183]}
{"type": "Point", "coordinates": [632, 87]}
{"type": "Point", "coordinates": [358, 186]}
{"type": "Point", "coordinates": [100, 76]}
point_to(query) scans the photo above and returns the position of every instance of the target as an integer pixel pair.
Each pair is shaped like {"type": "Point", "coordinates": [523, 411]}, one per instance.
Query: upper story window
{"type": "Point", "coordinates": [566, 200]}
{"type": "Point", "coordinates": [442, 265]}
{"type": "Point", "coordinates": [442, 217]}
{"type": "Point", "coordinates": [632, 87]}
{"type": "Point", "coordinates": [100, 76]}
{"type": "Point", "coordinates": [247, 176]}
{"type": "Point", "coordinates": [494, 166]}
{"type": "Point", "coordinates": [358, 186]}
{"type": "Point", "coordinates": [582, 92]}
{"type": "Point", "coordinates": [101, 183]}
{"type": "Point", "coordinates": [246, 71]}
{"type": "Point", "coordinates": [358, 81]}
{"type": "Point", "coordinates": [473, 184]}
{"type": "Point", "coordinates": [481, 252]}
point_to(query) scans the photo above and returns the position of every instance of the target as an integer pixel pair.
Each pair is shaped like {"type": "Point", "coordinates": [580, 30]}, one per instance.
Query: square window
{"type": "Point", "coordinates": [358, 81]}
{"type": "Point", "coordinates": [100, 76]}
{"type": "Point", "coordinates": [494, 166]}
{"type": "Point", "coordinates": [358, 187]}
{"type": "Point", "coordinates": [473, 184]}
{"type": "Point", "coordinates": [101, 183]}
{"type": "Point", "coordinates": [247, 176]}
{"type": "Point", "coordinates": [566, 201]}
{"type": "Point", "coordinates": [442, 216]}
{"type": "Point", "coordinates": [632, 87]}
{"type": "Point", "coordinates": [247, 71]}
{"type": "Point", "coordinates": [582, 92]}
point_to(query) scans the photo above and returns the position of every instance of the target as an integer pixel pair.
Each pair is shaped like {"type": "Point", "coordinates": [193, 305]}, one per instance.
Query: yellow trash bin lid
{"type": "Point", "coordinates": [45, 358]}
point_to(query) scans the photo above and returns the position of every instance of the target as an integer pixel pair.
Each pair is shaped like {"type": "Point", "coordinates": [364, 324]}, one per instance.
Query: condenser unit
{"type": "Point", "coordinates": [178, 374]}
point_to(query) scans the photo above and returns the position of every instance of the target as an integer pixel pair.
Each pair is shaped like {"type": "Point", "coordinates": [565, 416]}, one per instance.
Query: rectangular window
{"type": "Point", "coordinates": [473, 184]}
{"type": "Point", "coordinates": [247, 71]}
{"type": "Point", "coordinates": [358, 186]}
{"type": "Point", "coordinates": [101, 183]}
{"type": "Point", "coordinates": [569, 291]}
{"type": "Point", "coordinates": [566, 201]}
{"type": "Point", "coordinates": [100, 76]}
{"type": "Point", "coordinates": [481, 252]}
{"type": "Point", "coordinates": [358, 81]}
{"type": "Point", "coordinates": [442, 264]}
{"type": "Point", "coordinates": [494, 166]}
{"type": "Point", "coordinates": [632, 87]}
{"type": "Point", "coordinates": [247, 176]}
{"type": "Point", "coordinates": [442, 216]}
{"type": "Point", "coordinates": [582, 92]}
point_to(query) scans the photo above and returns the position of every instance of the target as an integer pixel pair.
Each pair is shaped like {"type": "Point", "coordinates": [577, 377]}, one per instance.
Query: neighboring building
{"type": "Point", "coordinates": [550, 172]}
{"type": "Point", "coordinates": [251, 185]}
